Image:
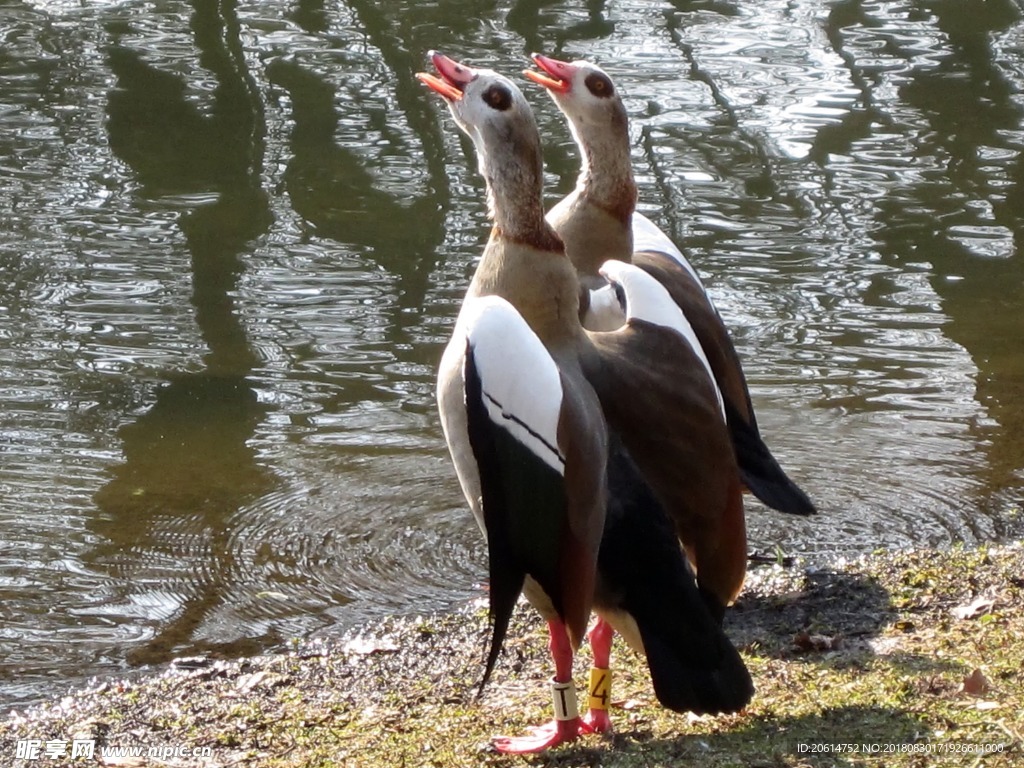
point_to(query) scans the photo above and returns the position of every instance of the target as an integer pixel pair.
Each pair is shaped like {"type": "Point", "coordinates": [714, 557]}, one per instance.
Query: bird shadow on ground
{"type": "Point", "coordinates": [821, 616]}
{"type": "Point", "coordinates": [820, 609]}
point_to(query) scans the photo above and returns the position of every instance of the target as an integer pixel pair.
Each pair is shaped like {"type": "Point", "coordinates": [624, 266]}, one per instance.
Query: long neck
{"type": "Point", "coordinates": [595, 219]}
{"type": "Point", "coordinates": [606, 171]}
{"type": "Point", "coordinates": [515, 177]}
{"type": "Point", "coordinates": [524, 261]}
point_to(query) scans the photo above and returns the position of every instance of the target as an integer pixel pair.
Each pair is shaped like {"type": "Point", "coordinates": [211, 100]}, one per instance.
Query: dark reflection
{"type": "Point", "coordinates": [970, 108]}
{"type": "Point", "coordinates": [547, 36]}
{"type": "Point", "coordinates": [330, 185]}
{"type": "Point", "coordinates": [188, 466]}
{"type": "Point", "coordinates": [310, 15]}
{"type": "Point", "coordinates": [332, 188]}
{"type": "Point", "coordinates": [839, 138]}
{"type": "Point", "coordinates": [403, 51]}
{"type": "Point", "coordinates": [721, 7]}
{"type": "Point", "coordinates": [403, 44]}
{"type": "Point", "coordinates": [744, 154]}
{"type": "Point", "coordinates": [187, 470]}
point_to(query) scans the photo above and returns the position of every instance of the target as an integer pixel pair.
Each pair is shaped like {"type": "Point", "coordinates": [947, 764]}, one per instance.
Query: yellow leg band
{"type": "Point", "coordinates": [600, 688]}
{"type": "Point", "coordinates": [563, 698]}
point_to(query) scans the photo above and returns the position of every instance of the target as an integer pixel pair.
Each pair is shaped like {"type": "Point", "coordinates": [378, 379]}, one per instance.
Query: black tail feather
{"type": "Point", "coordinates": [506, 574]}
{"type": "Point", "coordinates": [644, 572]}
{"type": "Point", "coordinates": [683, 686]}
{"type": "Point", "coordinates": [504, 591]}
{"type": "Point", "coordinates": [761, 472]}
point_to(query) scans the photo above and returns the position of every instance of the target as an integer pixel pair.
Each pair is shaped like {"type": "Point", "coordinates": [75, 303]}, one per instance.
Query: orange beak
{"type": "Point", "coordinates": [454, 77]}
{"type": "Point", "coordinates": [557, 75]}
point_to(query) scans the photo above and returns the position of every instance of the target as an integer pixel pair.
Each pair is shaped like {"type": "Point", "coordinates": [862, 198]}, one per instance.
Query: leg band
{"type": "Point", "coordinates": [600, 688]}
{"type": "Point", "coordinates": [563, 697]}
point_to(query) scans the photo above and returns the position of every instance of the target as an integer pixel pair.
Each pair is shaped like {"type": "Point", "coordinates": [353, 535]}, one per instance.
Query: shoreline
{"type": "Point", "coordinates": [902, 659]}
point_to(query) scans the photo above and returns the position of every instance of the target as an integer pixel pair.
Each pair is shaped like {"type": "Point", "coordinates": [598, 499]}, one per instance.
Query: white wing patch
{"type": "Point", "coordinates": [647, 299]}
{"type": "Point", "coordinates": [522, 388]}
{"type": "Point", "coordinates": [647, 237]}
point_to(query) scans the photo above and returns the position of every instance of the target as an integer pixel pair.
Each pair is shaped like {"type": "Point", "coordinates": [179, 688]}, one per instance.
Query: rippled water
{"type": "Point", "coordinates": [236, 236]}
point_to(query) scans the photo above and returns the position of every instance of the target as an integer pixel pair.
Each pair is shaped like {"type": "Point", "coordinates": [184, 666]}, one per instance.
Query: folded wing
{"type": "Point", "coordinates": [534, 480]}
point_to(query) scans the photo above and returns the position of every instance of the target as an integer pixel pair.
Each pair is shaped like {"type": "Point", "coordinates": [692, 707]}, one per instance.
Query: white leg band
{"type": "Point", "coordinates": [563, 698]}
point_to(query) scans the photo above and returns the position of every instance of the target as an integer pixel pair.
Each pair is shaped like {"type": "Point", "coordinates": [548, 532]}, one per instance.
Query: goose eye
{"type": "Point", "coordinates": [599, 85]}
{"type": "Point", "coordinates": [498, 98]}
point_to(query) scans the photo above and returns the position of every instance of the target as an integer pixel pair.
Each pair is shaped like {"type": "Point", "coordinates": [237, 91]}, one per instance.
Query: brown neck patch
{"type": "Point", "coordinates": [544, 239]}
{"type": "Point", "coordinates": [621, 209]}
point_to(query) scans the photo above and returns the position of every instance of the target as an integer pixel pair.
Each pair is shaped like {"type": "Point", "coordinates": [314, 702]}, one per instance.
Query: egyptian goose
{"type": "Point", "coordinates": [557, 490]}
{"type": "Point", "coordinates": [598, 221]}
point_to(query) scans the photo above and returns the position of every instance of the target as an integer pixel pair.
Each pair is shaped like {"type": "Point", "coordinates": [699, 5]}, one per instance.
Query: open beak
{"type": "Point", "coordinates": [557, 75]}
{"type": "Point", "coordinates": [454, 77]}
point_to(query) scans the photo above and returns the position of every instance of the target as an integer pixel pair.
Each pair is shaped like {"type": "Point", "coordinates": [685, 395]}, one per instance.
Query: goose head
{"type": "Point", "coordinates": [593, 220]}
{"type": "Point", "coordinates": [587, 96]}
{"type": "Point", "coordinates": [492, 111]}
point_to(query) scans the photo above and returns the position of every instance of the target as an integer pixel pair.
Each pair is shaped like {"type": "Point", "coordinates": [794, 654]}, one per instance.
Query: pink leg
{"type": "Point", "coordinates": [600, 637]}
{"type": "Point", "coordinates": [597, 719]}
{"type": "Point", "coordinates": [567, 724]}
